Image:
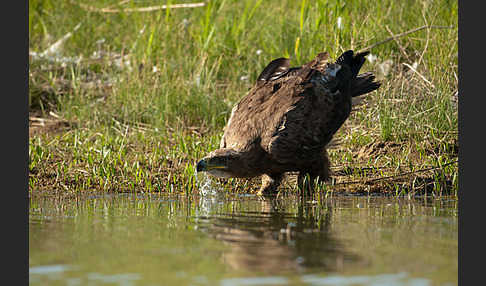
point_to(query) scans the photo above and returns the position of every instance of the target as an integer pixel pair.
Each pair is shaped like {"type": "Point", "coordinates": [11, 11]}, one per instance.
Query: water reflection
{"type": "Point", "coordinates": [239, 240]}
{"type": "Point", "coordinates": [271, 238]}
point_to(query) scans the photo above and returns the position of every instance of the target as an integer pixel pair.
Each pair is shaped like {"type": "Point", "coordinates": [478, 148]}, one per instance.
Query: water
{"type": "Point", "coordinates": [207, 186]}
{"type": "Point", "coordinates": [134, 239]}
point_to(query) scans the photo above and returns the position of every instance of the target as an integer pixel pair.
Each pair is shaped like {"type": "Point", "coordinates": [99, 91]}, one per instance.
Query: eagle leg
{"type": "Point", "coordinates": [270, 184]}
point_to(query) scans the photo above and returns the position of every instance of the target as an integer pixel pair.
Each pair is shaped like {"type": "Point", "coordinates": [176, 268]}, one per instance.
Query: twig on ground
{"type": "Point", "coordinates": [403, 34]}
{"type": "Point", "coordinates": [141, 9]}
{"type": "Point", "coordinates": [55, 115]}
{"type": "Point", "coordinates": [426, 42]}
{"type": "Point", "coordinates": [54, 48]}
{"type": "Point", "coordinates": [57, 118]}
{"type": "Point", "coordinates": [398, 175]}
{"type": "Point", "coordinates": [396, 41]}
{"type": "Point", "coordinates": [420, 75]}
{"type": "Point", "coordinates": [424, 111]}
{"type": "Point", "coordinates": [119, 4]}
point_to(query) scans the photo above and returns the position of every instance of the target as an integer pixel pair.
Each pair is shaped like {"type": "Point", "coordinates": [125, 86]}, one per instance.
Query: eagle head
{"type": "Point", "coordinates": [222, 163]}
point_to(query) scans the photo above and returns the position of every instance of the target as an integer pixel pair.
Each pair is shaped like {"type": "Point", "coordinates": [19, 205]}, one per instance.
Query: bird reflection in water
{"type": "Point", "coordinates": [275, 236]}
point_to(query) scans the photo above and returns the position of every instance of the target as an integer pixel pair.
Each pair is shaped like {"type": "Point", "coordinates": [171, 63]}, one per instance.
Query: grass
{"type": "Point", "coordinates": [132, 100]}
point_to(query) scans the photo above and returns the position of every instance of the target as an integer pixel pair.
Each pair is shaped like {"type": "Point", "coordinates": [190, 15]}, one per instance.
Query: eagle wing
{"type": "Point", "coordinates": [245, 123]}
{"type": "Point", "coordinates": [292, 113]}
{"type": "Point", "coordinates": [324, 105]}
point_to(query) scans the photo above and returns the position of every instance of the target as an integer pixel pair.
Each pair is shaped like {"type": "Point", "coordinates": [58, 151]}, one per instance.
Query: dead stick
{"type": "Point", "coordinates": [142, 9]}
{"type": "Point", "coordinates": [395, 176]}
{"type": "Point", "coordinates": [119, 4]}
{"type": "Point", "coordinates": [420, 75]}
{"type": "Point", "coordinates": [397, 42]}
{"type": "Point", "coordinates": [403, 34]}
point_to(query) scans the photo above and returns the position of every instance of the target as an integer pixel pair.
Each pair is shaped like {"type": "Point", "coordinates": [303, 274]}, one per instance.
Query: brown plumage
{"type": "Point", "coordinates": [287, 119]}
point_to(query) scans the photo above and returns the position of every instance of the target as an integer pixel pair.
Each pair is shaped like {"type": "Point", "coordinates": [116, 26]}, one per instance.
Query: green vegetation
{"type": "Point", "coordinates": [131, 100]}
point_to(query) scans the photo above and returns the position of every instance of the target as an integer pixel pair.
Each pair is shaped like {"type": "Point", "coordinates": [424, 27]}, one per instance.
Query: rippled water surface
{"type": "Point", "coordinates": [242, 240]}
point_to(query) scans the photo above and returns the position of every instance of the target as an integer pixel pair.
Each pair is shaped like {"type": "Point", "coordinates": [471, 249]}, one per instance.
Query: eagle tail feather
{"type": "Point", "coordinates": [354, 61]}
{"type": "Point", "coordinates": [364, 83]}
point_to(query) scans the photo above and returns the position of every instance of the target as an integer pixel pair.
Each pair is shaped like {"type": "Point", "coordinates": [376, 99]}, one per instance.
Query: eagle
{"type": "Point", "coordinates": [287, 119]}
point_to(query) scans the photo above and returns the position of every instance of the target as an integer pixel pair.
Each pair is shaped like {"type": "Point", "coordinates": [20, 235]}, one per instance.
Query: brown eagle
{"type": "Point", "coordinates": [287, 119]}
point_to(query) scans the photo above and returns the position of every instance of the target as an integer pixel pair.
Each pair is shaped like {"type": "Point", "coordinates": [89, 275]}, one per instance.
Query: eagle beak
{"type": "Point", "coordinates": [203, 166]}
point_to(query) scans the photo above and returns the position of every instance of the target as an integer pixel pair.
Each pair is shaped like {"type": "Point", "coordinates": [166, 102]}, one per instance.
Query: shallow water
{"type": "Point", "coordinates": [241, 240]}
